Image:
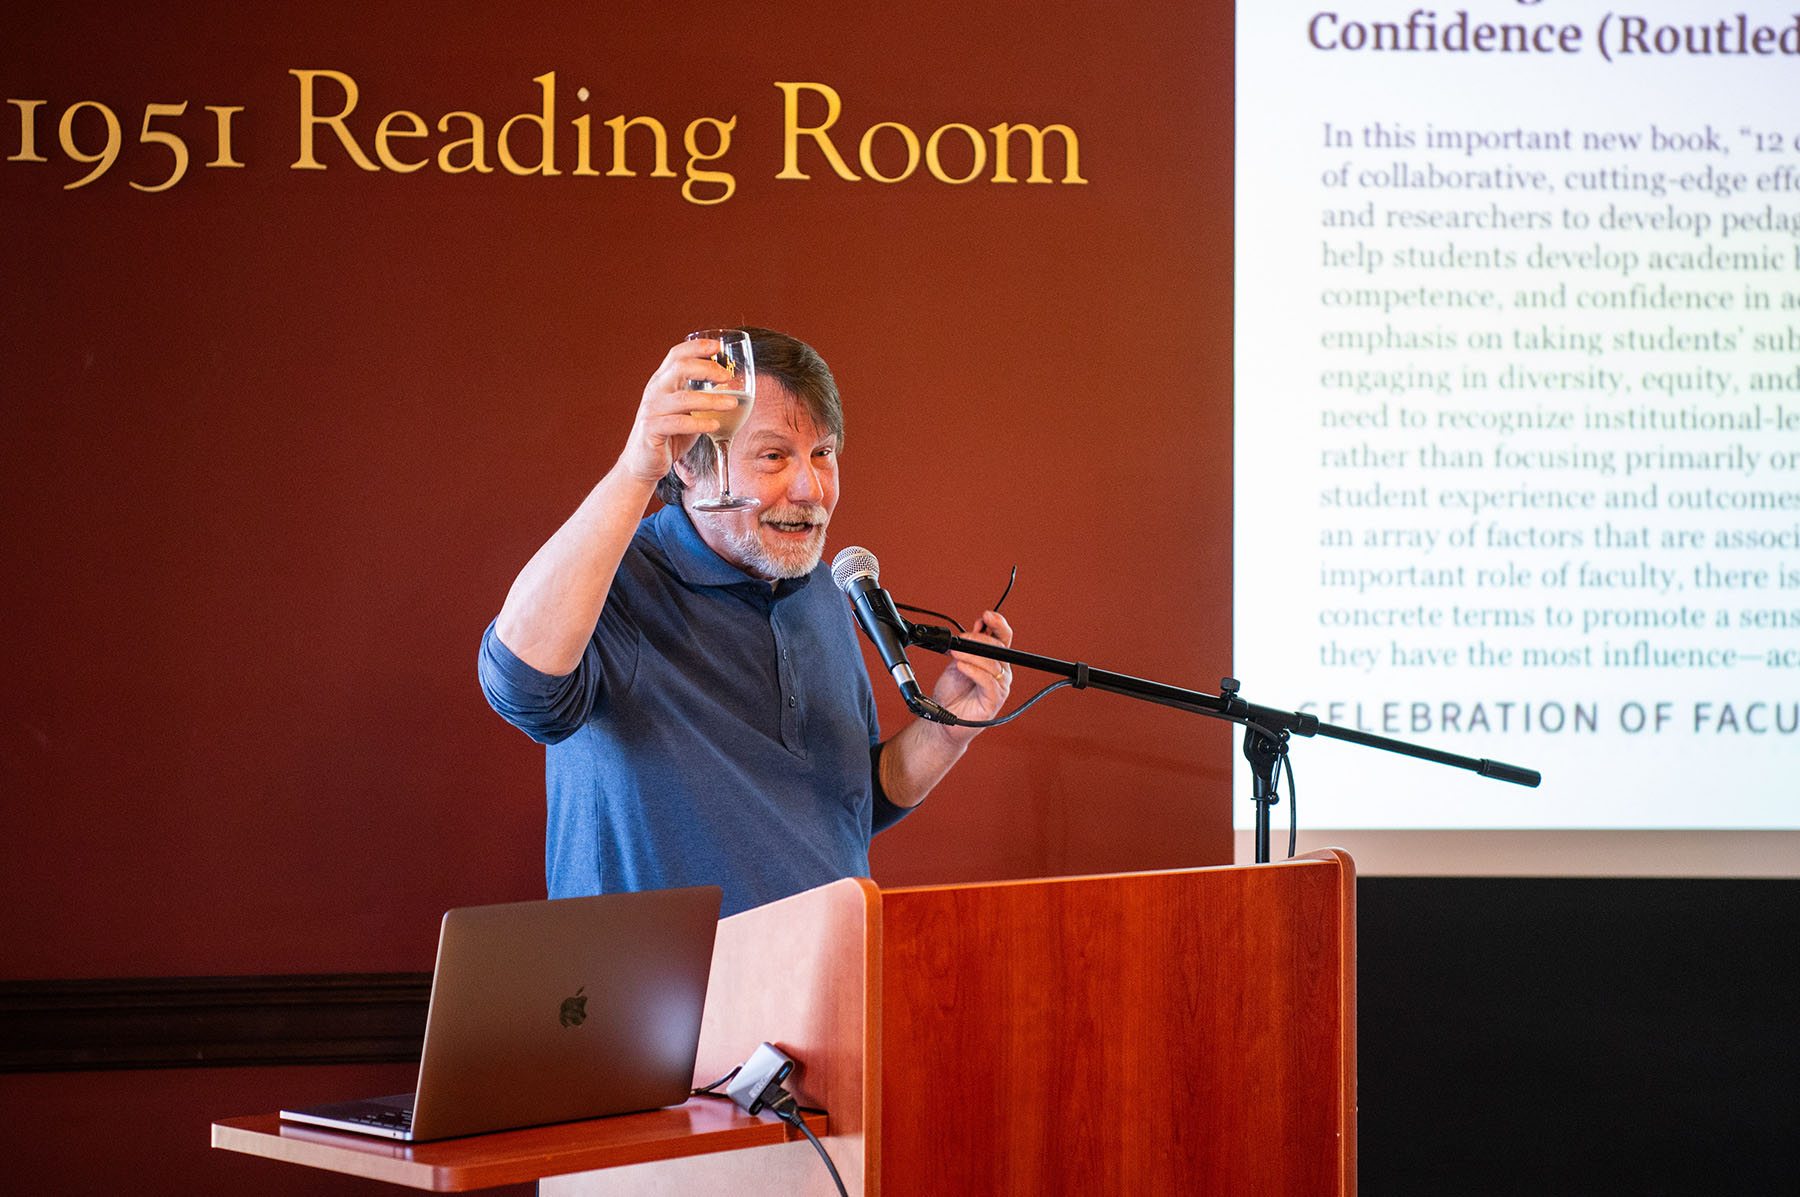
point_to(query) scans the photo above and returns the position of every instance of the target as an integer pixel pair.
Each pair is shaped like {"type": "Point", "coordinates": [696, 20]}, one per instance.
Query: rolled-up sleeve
{"type": "Point", "coordinates": [883, 813]}
{"type": "Point", "coordinates": [544, 706]}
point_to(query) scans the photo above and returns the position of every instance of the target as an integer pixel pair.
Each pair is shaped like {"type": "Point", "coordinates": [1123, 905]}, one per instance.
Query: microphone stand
{"type": "Point", "coordinates": [1266, 730]}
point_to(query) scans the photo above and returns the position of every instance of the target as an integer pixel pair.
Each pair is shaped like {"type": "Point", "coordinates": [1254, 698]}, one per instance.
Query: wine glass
{"type": "Point", "coordinates": [734, 354]}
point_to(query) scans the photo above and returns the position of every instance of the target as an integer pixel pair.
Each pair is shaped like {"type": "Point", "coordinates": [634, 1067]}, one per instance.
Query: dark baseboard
{"type": "Point", "coordinates": [211, 1022]}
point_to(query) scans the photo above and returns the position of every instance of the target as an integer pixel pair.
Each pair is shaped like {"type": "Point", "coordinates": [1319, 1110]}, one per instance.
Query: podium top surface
{"type": "Point", "coordinates": [697, 1127]}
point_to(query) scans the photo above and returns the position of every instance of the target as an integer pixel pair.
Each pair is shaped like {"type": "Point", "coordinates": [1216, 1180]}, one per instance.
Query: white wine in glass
{"type": "Point", "coordinates": [735, 355]}
{"type": "Point", "coordinates": [732, 418]}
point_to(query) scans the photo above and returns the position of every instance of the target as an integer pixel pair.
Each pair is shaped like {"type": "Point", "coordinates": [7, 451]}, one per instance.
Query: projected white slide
{"type": "Point", "coordinates": [1518, 406]}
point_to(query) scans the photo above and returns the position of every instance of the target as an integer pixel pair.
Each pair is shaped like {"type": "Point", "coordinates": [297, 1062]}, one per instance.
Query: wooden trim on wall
{"type": "Point", "coordinates": [211, 1022]}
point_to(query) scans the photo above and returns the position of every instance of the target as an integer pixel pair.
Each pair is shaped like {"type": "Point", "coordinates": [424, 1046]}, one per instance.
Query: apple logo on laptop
{"type": "Point", "coordinates": [574, 1009]}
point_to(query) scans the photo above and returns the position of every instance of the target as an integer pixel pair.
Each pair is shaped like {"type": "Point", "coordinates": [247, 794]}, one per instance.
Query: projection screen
{"type": "Point", "coordinates": [1518, 427]}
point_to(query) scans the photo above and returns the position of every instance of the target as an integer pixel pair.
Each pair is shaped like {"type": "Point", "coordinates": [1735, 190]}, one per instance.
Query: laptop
{"type": "Point", "coordinates": [552, 1011]}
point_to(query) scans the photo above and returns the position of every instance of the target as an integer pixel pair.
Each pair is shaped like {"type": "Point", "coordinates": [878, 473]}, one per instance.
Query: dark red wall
{"type": "Point", "coordinates": [277, 440]}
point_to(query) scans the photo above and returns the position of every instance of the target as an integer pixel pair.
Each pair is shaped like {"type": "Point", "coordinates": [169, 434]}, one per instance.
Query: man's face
{"type": "Point", "coordinates": [783, 459]}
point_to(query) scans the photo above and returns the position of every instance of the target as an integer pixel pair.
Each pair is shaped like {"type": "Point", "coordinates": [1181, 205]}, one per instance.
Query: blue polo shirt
{"type": "Point", "coordinates": [717, 731]}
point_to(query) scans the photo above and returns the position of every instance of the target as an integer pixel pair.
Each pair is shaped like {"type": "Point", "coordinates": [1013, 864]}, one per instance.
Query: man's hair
{"type": "Point", "coordinates": [800, 370]}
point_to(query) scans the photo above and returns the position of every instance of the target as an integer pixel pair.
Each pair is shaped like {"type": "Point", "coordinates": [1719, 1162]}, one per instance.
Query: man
{"type": "Point", "coordinates": [697, 676]}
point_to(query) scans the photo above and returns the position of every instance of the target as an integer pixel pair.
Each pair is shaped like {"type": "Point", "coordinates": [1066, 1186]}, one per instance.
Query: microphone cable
{"type": "Point", "coordinates": [1001, 720]}
{"type": "Point", "coordinates": [1283, 762]}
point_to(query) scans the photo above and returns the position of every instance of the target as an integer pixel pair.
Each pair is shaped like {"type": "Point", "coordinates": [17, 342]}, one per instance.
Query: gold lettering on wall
{"type": "Point", "coordinates": [334, 130]}
{"type": "Point", "coordinates": [819, 137]}
{"type": "Point", "coordinates": [310, 119]}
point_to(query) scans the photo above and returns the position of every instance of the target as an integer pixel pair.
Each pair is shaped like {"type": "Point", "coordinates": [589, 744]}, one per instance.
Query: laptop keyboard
{"type": "Point", "coordinates": [392, 1113]}
{"type": "Point", "coordinates": [386, 1119]}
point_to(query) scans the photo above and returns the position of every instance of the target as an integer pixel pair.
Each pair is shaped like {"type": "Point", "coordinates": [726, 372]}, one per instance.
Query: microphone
{"type": "Point", "coordinates": [857, 574]}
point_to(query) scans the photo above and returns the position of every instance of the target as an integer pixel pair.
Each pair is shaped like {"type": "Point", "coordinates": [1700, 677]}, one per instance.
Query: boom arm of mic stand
{"type": "Point", "coordinates": [1260, 722]}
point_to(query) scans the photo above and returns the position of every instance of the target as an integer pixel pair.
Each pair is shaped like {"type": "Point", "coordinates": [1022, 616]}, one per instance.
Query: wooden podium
{"type": "Point", "coordinates": [1190, 1031]}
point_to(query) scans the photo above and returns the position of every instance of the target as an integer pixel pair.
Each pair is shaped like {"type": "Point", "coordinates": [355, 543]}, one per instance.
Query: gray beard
{"type": "Point", "coordinates": [753, 556]}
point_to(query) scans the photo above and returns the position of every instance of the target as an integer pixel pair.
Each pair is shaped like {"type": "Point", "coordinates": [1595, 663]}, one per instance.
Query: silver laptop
{"type": "Point", "coordinates": [550, 1012]}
